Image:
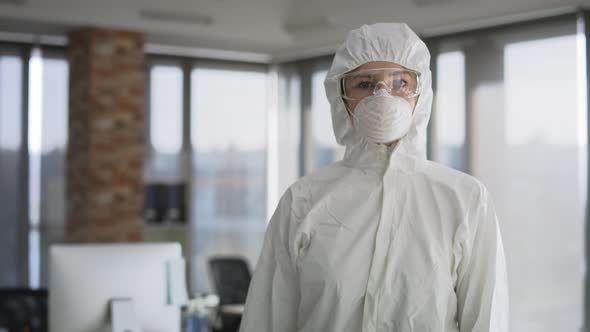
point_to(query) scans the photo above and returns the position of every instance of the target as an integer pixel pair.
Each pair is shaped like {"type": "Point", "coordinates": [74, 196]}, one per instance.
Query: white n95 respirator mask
{"type": "Point", "coordinates": [383, 118]}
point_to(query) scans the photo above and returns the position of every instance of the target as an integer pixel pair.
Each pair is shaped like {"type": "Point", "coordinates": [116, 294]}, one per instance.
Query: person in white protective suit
{"type": "Point", "coordinates": [383, 240]}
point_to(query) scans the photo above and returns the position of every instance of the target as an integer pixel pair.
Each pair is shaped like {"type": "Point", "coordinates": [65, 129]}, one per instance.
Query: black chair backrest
{"type": "Point", "coordinates": [231, 276]}
{"type": "Point", "coordinates": [23, 310]}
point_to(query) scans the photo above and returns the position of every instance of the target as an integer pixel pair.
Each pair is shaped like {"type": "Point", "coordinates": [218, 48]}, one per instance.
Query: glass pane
{"type": "Point", "coordinates": [449, 112]}
{"type": "Point", "coordinates": [229, 115]}
{"type": "Point", "coordinates": [540, 194]}
{"type": "Point", "coordinates": [11, 68]}
{"type": "Point", "coordinates": [289, 127]}
{"type": "Point", "coordinates": [528, 147]}
{"type": "Point", "coordinates": [166, 108]}
{"type": "Point", "coordinates": [10, 102]}
{"type": "Point", "coordinates": [165, 119]}
{"type": "Point", "coordinates": [34, 149]}
{"type": "Point", "coordinates": [53, 159]}
{"type": "Point", "coordinates": [327, 150]}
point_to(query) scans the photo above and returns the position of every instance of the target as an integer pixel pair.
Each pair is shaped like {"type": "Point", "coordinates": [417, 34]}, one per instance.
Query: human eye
{"type": "Point", "coordinates": [364, 84]}
{"type": "Point", "coordinates": [399, 83]}
{"type": "Point", "coordinates": [409, 80]}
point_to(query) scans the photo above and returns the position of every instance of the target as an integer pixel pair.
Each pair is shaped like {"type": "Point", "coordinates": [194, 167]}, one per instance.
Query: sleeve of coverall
{"type": "Point", "coordinates": [482, 286]}
{"type": "Point", "coordinates": [273, 297]}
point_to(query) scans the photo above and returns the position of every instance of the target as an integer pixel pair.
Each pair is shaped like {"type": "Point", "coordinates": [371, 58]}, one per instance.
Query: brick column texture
{"type": "Point", "coordinates": [106, 136]}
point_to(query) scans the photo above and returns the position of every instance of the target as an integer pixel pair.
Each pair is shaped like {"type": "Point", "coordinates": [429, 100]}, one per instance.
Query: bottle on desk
{"type": "Point", "coordinates": [196, 313]}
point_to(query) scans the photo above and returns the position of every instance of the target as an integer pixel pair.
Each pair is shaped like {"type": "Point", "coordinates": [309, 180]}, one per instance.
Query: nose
{"type": "Point", "coordinates": [381, 88]}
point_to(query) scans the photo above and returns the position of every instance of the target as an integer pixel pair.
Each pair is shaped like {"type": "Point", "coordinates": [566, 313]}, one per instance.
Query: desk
{"type": "Point", "coordinates": [232, 309]}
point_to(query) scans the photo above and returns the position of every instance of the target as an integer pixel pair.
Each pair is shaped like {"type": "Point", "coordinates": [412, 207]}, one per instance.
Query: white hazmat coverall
{"type": "Point", "coordinates": [383, 240]}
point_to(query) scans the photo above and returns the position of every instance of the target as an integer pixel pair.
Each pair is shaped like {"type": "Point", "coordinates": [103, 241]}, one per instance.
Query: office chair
{"type": "Point", "coordinates": [23, 310]}
{"type": "Point", "coordinates": [231, 278]}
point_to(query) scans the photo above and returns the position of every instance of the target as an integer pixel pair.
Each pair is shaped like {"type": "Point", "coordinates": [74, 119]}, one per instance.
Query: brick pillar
{"type": "Point", "coordinates": [106, 136]}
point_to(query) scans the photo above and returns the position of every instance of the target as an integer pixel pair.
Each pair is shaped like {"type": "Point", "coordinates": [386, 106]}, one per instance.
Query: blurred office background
{"type": "Point", "coordinates": [186, 121]}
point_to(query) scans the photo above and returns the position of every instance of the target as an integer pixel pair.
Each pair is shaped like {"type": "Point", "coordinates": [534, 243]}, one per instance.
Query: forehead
{"type": "Point", "coordinates": [377, 64]}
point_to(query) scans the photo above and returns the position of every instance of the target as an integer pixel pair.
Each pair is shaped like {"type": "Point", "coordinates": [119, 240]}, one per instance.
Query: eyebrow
{"type": "Point", "coordinates": [356, 76]}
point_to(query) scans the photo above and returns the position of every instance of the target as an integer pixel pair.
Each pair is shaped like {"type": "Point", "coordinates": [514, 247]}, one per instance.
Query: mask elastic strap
{"type": "Point", "coordinates": [350, 114]}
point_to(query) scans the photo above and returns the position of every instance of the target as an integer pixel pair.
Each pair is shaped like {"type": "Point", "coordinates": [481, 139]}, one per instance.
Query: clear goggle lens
{"type": "Point", "coordinates": [398, 82]}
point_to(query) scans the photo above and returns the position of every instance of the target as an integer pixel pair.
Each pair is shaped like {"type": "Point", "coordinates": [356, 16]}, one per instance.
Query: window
{"type": "Point", "coordinates": [52, 156]}
{"type": "Point", "coordinates": [165, 122]}
{"type": "Point", "coordinates": [228, 136]}
{"type": "Point", "coordinates": [537, 180]}
{"type": "Point", "coordinates": [448, 116]}
{"type": "Point", "coordinates": [327, 150]}
{"type": "Point", "coordinates": [289, 127]}
{"type": "Point", "coordinates": [11, 94]}
{"type": "Point", "coordinates": [32, 160]}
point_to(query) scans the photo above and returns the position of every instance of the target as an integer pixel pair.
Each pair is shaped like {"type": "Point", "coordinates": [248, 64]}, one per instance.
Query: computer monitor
{"type": "Point", "coordinates": [83, 279]}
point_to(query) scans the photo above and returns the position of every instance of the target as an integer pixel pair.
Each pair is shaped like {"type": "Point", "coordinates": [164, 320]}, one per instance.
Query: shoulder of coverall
{"type": "Point", "coordinates": [458, 182]}
{"type": "Point", "coordinates": [469, 192]}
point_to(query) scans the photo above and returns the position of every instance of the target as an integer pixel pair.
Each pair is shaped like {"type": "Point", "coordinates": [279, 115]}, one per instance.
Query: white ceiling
{"type": "Point", "coordinates": [273, 29]}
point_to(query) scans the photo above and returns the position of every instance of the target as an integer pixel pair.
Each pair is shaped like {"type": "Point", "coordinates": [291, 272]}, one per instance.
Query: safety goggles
{"type": "Point", "coordinates": [397, 81]}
